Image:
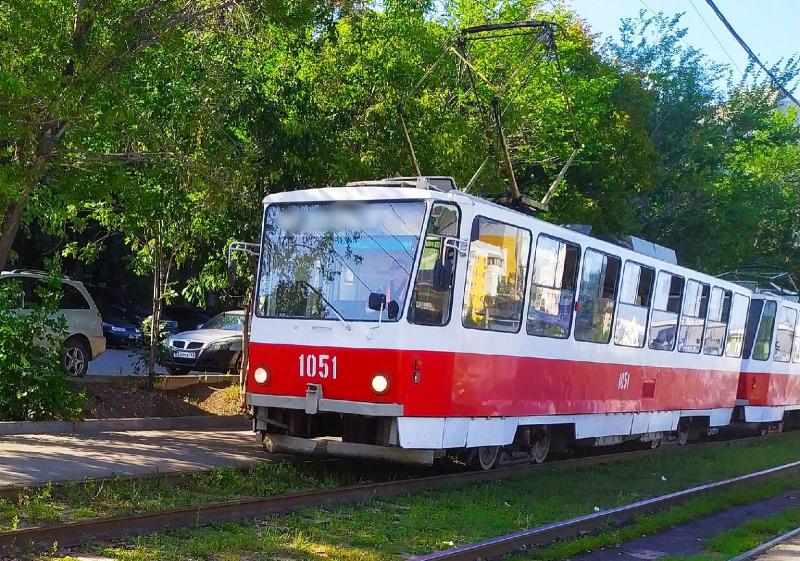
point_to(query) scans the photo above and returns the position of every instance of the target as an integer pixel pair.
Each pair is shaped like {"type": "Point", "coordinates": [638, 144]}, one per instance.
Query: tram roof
{"type": "Point", "coordinates": [379, 192]}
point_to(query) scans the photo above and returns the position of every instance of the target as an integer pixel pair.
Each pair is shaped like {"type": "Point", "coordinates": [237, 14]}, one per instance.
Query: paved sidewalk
{"type": "Point", "coordinates": [36, 458]}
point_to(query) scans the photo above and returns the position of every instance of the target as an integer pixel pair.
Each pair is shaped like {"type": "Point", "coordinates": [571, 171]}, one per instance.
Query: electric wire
{"type": "Point", "coordinates": [750, 52]}
{"type": "Point", "coordinates": [714, 35]}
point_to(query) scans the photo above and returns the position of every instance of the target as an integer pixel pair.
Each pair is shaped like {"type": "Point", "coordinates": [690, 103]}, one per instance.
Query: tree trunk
{"type": "Point", "coordinates": [155, 326]}
{"type": "Point", "coordinates": [10, 225]}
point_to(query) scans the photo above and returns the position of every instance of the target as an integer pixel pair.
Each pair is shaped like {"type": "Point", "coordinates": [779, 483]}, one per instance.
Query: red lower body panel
{"type": "Point", "coordinates": [769, 389]}
{"type": "Point", "coordinates": [447, 384]}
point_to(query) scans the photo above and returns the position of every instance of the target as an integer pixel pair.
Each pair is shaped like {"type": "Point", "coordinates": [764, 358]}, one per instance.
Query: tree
{"type": "Point", "coordinates": [66, 65]}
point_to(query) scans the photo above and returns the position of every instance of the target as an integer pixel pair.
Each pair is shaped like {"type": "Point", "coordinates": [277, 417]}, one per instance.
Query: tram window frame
{"type": "Point", "coordinates": [622, 304]}
{"type": "Point", "coordinates": [758, 332]}
{"type": "Point", "coordinates": [676, 313]}
{"type": "Point", "coordinates": [467, 278]}
{"type": "Point", "coordinates": [424, 240]}
{"type": "Point", "coordinates": [263, 268]}
{"type": "Point", "coordinates": [534, 285]}
{"type": "Point", "coordinates": [732, 327]}
{"type": "Point", "coordinates": [602, 287]}
{"type": "Point", "coordinates": [723, 321]}
{"type": "Point", "coordinates": [775, 350]}
{"type": "Point", "coordinates": [700, 305]}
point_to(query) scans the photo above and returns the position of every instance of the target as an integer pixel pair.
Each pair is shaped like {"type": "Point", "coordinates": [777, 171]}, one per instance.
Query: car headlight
{"type": "Point", "coordinates": [261, 375]}
{"type": "Point", "coordinates": [221, 346]}
{"type": "Point", "coordinates": [116, 329]}
{"type": "Point", "coordinates": [380, 384]}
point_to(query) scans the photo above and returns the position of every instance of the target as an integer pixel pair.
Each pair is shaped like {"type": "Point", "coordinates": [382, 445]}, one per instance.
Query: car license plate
{"type": "Point", "coordinates": [183, 354]}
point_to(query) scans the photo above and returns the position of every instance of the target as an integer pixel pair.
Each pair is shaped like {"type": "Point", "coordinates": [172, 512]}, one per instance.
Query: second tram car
{"type": "Point", "coordinates": [769, 386]}
{"type": "Point", "coordinates": [405, 319]}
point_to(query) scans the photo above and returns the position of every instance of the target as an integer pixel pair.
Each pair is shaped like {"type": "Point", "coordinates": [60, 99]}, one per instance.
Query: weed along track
{"type": "Point", "coordinates": [79, 531]}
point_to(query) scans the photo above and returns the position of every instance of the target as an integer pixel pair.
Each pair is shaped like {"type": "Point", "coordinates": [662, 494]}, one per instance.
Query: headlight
{"type": "Point", "coordinates": [261, 375]}
{"type": "Point", "coordinates": [380, 384]}
{"type": "Point", "coordinates": [220, 346]}
{"type": "Point", "coordinates": [116, 329]}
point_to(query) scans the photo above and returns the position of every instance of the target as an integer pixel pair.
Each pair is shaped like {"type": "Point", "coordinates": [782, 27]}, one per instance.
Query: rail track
{"type": "Point", "coordinates": [574, 527]}
{"type": "Point", "coordinates": [765, 548]}
{"type": "Point", "coordinates": [77, 532]}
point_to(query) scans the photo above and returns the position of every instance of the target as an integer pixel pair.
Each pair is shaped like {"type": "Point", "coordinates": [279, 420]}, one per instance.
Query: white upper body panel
{"type": "Point", "coordinates": [454, 337]}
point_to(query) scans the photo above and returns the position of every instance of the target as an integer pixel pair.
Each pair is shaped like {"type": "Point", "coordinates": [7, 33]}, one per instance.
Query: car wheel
{"type": "Point", "coordinates": [75, 358]}
{"type": "Point", "coordinates": [237, 367]}
{"type": "Point", "coordinates": [173, 371]}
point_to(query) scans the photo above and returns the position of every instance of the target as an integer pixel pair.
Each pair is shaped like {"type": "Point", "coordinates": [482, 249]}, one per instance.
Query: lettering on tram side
{"type": "Point", "coordinates": [313, 366]}
{"type": "Point", "coordinates": [624, 380]}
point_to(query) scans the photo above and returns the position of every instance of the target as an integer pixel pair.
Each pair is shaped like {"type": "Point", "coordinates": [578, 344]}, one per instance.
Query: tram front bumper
{"type": "Point", "coordinates": [282, 444]}
{"type": "Point", "coordinates": [314, 402]}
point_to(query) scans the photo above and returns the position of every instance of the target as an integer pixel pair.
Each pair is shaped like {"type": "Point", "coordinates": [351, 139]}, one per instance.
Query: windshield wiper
{"type": "Point", "coordinates": [332, 307]}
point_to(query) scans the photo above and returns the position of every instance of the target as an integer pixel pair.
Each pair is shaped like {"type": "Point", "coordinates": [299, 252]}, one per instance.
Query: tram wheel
{"type": "Point", "coordinates": [541, 446]}
{"type": "Point", "coordinates": [487, 457]}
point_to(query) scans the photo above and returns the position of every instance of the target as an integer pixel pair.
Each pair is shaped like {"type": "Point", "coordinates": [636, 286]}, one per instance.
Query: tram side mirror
{"type": "Point", "coordinates": [377, 301]}
{"type": "Point", "coordinates": [393, 309]}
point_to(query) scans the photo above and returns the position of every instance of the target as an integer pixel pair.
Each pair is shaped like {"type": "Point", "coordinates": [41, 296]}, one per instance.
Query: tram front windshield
{"type": "Point", "coordinates": [324, 260]}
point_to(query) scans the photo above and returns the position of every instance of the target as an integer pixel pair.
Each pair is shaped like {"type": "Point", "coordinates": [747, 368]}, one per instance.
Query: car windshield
{"type": "Point", "coordinates": [323, 261]}
{"type": "Point", "coordinates": [231, 322]}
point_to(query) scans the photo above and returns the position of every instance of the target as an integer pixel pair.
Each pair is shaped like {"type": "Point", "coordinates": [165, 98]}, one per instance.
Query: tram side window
{"type": "Point", "coordinates": [634, 303]}
{"type": "Point", "coordinates": [785, 335]}
{"type": "Point", "coordinates": [666, 307]}
{"type": "Point", "coordinates": [719, 310]}
{"type": "Point", "coordinates": [736, 326]}
{"type": "Point", "coordinates": [763, 341]}
{"type": "Point", "coordinates": [552, 300]}
{"type": "Point", "coordinates": [432, 296]}
{"type": "Point", "coordinates": [496, 273]}
{"type": "Point", "coordinates": [753, 318]}
{"type": "Point", "coordinates": [596, 297]}
{"type": "Point", "coordinates": [693, 317]}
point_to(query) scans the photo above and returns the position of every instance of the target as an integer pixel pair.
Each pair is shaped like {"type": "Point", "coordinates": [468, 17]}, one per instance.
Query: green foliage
{"type": "Point", "coordinates": [170, 134]}
{"type": "Point", "coordinates": [32, 384]}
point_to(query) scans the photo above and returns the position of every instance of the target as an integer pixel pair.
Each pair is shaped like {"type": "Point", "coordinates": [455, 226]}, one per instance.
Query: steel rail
{"type": "Point", "coordinates": [496, 547]}
{"type": "Point", "coordinates": [765, 547]}
{"type": "Point", "coordinates": [77, 532]}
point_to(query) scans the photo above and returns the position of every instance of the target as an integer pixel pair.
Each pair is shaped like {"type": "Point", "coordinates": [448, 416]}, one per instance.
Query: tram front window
{"type": "Point", "coordinates": [323, 260]}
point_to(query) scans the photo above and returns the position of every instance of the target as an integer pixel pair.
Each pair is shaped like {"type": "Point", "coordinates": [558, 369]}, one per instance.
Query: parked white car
{"type": "Point", "coordinates": [85, 340]}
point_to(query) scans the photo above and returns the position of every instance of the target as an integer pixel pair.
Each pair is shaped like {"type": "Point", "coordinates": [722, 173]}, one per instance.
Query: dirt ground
{"type": "Point", "coordinates": [115, 401]}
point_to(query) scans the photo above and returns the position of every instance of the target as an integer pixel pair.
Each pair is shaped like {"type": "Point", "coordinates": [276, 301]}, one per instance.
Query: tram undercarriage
{"type": "Point", "coordinates": [347, 435]}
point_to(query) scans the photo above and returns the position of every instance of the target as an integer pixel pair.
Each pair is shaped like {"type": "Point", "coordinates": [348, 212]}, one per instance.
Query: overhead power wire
{"type": "Point", "coordinates": [750, 52]}
{"type": "Point", "coordinates": [714, 35]}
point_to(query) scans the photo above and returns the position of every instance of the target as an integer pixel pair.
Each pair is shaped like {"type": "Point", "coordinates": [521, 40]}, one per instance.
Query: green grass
{"type": "Point", "coordinates": [751, 534]}
{"type": "Point", "coordinates": [90, 498]}
{"type": "Point", "coordinates": [423, 522]}
{"type": "Point", "coordinates": [651, 524]}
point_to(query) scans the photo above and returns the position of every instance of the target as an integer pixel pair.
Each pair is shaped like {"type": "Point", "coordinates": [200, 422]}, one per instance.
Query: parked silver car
{"type": "Point", "coordinates": [85, 340]}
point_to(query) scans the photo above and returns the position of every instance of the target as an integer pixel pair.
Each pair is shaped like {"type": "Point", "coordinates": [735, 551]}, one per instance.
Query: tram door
{"type": "Point", "coordinates": [432, 296]}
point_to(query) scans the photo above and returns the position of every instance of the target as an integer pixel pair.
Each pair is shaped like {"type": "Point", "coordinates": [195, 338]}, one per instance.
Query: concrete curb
{"type": "Point", "coordinates": [162, 382]}
{"type": "Point", "coordinates": [94, 426]}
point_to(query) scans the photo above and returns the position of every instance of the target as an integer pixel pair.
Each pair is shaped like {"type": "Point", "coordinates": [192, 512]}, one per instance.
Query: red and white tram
{"type": "Point", "coordinates": [769, 387]}
{"type": "Point", "coordinates": [404, 319]}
